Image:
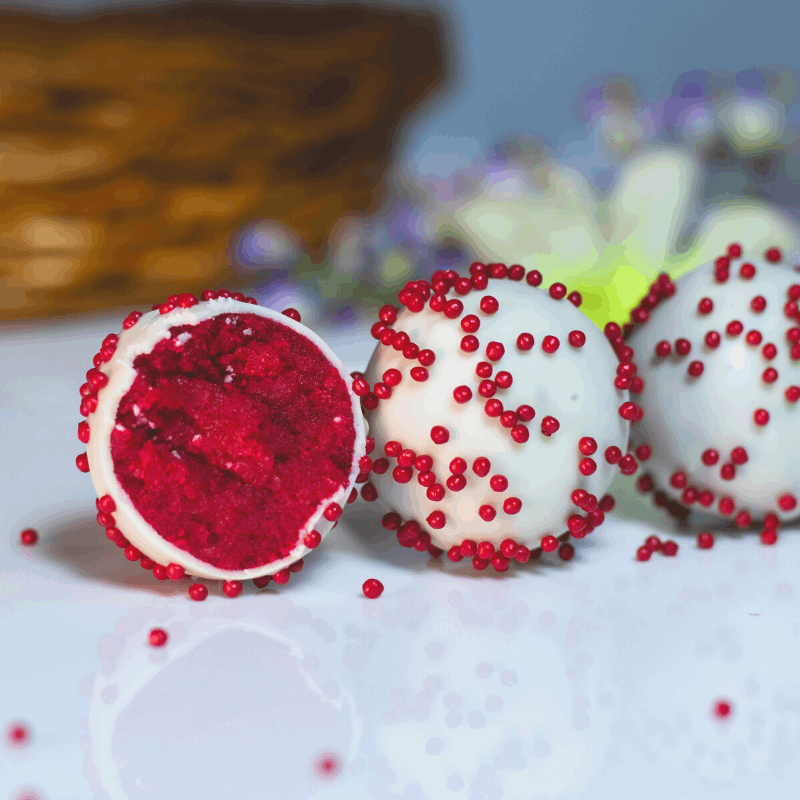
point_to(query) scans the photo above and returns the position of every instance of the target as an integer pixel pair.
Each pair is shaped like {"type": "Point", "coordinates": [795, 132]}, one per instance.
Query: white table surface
{"type": "Point", "coordinates": [590, 679]}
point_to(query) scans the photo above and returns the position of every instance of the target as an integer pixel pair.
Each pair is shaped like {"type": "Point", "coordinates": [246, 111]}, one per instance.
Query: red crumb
{"type": "Point", "coordinates": [158, 637]}
{"type": "Point", "coordinates": [29, 537]}
{"type": "Point", "coordinates": [229, 441]}
{"type": "Point", "coordinates": [372, 588]}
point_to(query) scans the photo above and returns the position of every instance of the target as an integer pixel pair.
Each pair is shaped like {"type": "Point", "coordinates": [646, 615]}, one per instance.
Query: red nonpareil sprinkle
{"type": "Point", "coordinates": [643, 553]}
{"type": "Point", "coordinates": [525, 341]}
{"type": "Point", "coordinates": [372, 588]}
{"type": "Point", "coordinates": [454, 554]}
{"type": "Point", "coordinates": [470, 323]}
{"type": "Point", "coordinates": [705, 306]}
{"type": "Point", "coordinates": [607, 503]}
{"type": "Point", "coordinates": [29, 537]}
{"type": "Point", "coordinates": [440, 434]}
{"type": "Point", "coordinates": [158, 637]}
{"type": "Point", "coordinates": [198, 592]}
{"type": "Point", "coordinates": [663, 348]}
{"type": "Point", "coordinates": [587, 466]}
{"type": "Point", "coordinates": [769, 536]}
{"type": "Point", "coordinates": [576, 338]}
{"type": "Point", "coordinates": [550, 425]}
{"type": "Point", "coordinates": [495, 351]}
{"type": "Point", "coordinates": [734, 328]}
{"type": "Point", "coordinates": [566, 552]}
{"type": "Point", "coordinates": [489, 304]}
{"type": "Point", "coordinates": [262, 581]}
{"type": "Point", "coordinates": [654, 543]}
{"type": "Point", "coordinates": [175, 572]}
{"type": "Point", "coordinates": [282, 576]}
{"type": "Point", "coordinates": [743, 519]}
{"type": "Point", "coordinates": [669, 548]}
{"type": "Point", "coordinates": [534, 278]}
{"type": "Point", "coordinates": [18, 734]}
{"type": "Point", "coordinates": [550, 344]}
{"type": "Point", "coordinates": [327, 765]}
{"type": "Point", "coordinates": [613, 454]}
{"type": "Point", "coordinates": [755, 338]}
{"type": "Point", "coordinates": [549, 543]}
{"type": "Point", "coordinates": [722, 709]}
{"type": "Point", "coordinates": [705, 540]}
{"type": "Point", "coordinates": [232, 588]}
{"type": "Point", "coordinates": [695, 369]}
{"type": "Point", "coordinates": [575, 298]}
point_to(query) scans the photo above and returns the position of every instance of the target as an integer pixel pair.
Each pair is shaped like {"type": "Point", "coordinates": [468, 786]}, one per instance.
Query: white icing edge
{"type": "Point", "coordinates": [150, 329]}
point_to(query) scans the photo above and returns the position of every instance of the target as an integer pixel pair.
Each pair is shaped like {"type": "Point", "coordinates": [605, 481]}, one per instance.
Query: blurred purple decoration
{"type": "Point", "coordinates": [265, 244]}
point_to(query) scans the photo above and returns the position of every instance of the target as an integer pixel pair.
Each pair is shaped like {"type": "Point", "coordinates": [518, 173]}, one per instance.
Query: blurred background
{"type": "Point", "coordinates": [322, 154]}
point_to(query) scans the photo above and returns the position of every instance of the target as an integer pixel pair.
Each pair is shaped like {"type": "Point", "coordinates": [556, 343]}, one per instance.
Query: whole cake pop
{"type": "Point", "coordinates": [223, 439]}
{"type": "Point", "coordinates": [720, 360]}
{"type": "Point", "coordinates": [499, 413]}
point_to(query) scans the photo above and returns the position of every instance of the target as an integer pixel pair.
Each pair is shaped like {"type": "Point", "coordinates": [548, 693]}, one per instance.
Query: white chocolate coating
{"type": "Point", "coordinates": [684, 415]}
{"type": "Point", "coordinates": [574, 385]}
{"type": "Point", "coordinates": [142, 338]}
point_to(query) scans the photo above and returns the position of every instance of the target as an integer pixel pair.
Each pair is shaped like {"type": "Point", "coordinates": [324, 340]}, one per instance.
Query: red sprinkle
{"type": "Point", "coordinates": [372, 588]}
{"type": "Point", "coordinates": [705, 540]}
{"type": "Point", "coordinates": [29, 537]}
{"type": "Point", "coordinates": [158, 637]}
{"type": "Point", "coordinates": [198, 592]}
{"type": "Point", "coordinates": [643, 553]}
{"type": "Point", "coordinates": [722, 709]}
{"type": "Point", "coordinates": [669, 548]}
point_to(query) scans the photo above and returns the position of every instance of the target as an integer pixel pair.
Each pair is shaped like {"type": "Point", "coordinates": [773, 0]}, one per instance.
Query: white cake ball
{"type": "Point", "coordinates": [492, 404]}
{"type": "Point", "coordinates": [720, 359]}
{"type": "Point", "coordinates": [222, 438]}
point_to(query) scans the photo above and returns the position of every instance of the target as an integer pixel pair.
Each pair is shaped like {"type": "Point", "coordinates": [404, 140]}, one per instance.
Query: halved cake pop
{"type": "Point", "coordinates": [499, 413]}
{"type": "Point", "coordinates": [223, 439]}
{"type": "Point", "coordinates": [720, 359]}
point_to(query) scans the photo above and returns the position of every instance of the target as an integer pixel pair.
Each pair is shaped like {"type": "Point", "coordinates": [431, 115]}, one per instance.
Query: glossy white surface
{"type": "Point", "coordinates": [575, 385]}
{"type": "Point", "coordinates": [142, 338]}
{"type": "Point", "coordinates": [588, 680]}
{"type": "Point", "coordinates": [684, 415]}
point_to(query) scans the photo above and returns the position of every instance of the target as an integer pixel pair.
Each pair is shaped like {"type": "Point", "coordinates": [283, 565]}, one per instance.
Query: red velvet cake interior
{"type": "Point", "coordinates": [233, 432]}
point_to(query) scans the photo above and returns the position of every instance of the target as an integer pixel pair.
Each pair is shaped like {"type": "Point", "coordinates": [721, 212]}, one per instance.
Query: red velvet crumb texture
{"type": "Point", "coordinates": [227, 443]}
